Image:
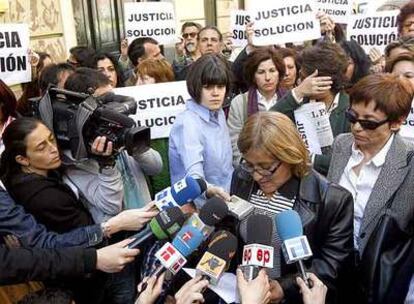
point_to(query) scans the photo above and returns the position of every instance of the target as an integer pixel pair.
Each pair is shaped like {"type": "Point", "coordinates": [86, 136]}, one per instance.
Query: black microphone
{"type": "Point", "coordinates": [211, 213]}
{"type": "Point", "coordinates": [258, 251]}
{"type": "Point", "coordinates": [216, 259]}
{"type": "Point", "coordinates": [163, 226]}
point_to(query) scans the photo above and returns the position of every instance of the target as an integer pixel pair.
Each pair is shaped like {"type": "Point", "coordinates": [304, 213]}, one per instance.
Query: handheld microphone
{"type": "Point", "coordinates": [258, 252]}
{"type": "Point", "coordinates": [182, 192]}
{"type": "Point", "coordinates": [211, 213]}
{"type": "Point", "coordinates": [162, 227]}
{"type": "Point", "coordinates": [295, 245]}
{"type": "Point", "coordinates": [216, 259]}
{"type": "Point", "coordinates": [173, 255]}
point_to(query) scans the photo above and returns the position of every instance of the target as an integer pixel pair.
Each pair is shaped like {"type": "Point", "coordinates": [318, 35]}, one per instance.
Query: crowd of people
{"type": "Point", "coordinates": [67, 221]}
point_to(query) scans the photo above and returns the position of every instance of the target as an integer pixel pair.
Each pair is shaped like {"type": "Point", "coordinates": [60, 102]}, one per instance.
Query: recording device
{"type": "Point", "coordinates": [258, 253]}
{"type": "Point", "coordinates": [77, 119]}
{"type": "Point", "coordinates": [239, 208]}
{"type": "Point", "coordinates": [182, 192]}
{"type": "Point", "coordinates": [216, 259]}
{"type": "Point", "coordinates": [211, 213]}
{"type": "Point", "coordinates": [173, 255]}
{"type": "Point", "coordinates": [295, 245]}
{"type": "Point", "coordinates": [163, 226]}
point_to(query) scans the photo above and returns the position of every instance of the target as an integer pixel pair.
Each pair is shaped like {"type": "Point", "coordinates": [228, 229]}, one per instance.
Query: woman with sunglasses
{"type": "Point", "coordinates": [275, 175]}
{"type": "Point", "coordinates": [376, 165]}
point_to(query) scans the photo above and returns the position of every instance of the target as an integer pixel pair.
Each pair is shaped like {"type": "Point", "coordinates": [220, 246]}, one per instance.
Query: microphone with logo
{"type": "Point", "coordinates": [173, 255]}
{"type": "Point", "coordinates": [258, 253]}
{"type": "Point", "coordinates": [211, 213]}
{"type": "Point", "coordinates": [216, 259]}
{"type": "Point", "coordinates": [163, 226]}
{"type": "Point", "coordinates": [181, 193]}
{"type": "Point", "coordinates": [295, 245]}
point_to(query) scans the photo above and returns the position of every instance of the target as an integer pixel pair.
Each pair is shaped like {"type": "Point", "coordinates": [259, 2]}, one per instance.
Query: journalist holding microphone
{"type": "Point", "coordinates": [275, 175]}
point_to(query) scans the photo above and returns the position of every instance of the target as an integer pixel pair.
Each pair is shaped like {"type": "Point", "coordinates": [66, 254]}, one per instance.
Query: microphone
{"type": "Point", "coordinates": [182, 192]}
{"type": "Point", "coordinates": [295, 245]}
{"type": "Point", "coordinates": [240, 208]}
{"type": "Point", "coordinates": [258, 252]}
{"type": "Point", "coordinates": [216, 259]}
{"type": "Point", "coordinates": [173, 255]}
{"type": "Point", "coordinates": [211, 213]}
{"type": "Point", "coordinates": [163, 226]}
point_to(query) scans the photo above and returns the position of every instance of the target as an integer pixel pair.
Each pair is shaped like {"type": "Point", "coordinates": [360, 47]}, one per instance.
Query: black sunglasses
{"type": "Point", "coordinates": [365, 124]}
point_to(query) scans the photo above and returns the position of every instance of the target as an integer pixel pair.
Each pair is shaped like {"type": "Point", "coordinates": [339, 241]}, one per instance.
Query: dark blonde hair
{"type": "Point", "coordinates": [276, 135]}
{"type": "Point", "coordinates": [159, 69]}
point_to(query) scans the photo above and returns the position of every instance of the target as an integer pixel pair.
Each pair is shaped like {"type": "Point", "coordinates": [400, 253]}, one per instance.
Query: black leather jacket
{"type": "Point", "coordinates": [326, 210]}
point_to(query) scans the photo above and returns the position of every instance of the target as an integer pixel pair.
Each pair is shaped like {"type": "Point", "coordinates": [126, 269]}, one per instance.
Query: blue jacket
{"type": "Point", "coordinates": [14, 220]}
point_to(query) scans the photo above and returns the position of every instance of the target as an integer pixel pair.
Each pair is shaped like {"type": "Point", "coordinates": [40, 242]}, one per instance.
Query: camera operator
{"type": "Point", "coordinates": [99, 178]}
{"type": "Point", "coordinates": [111, 181]}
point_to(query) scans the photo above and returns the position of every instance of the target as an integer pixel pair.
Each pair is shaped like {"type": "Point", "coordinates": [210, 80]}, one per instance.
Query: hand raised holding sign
{"type": "Point", "coordinates": [313, 85]}
{"type": "Point", "coordinates": [327, 25]}
{"type": "Point", "coordinates": [250, 35]}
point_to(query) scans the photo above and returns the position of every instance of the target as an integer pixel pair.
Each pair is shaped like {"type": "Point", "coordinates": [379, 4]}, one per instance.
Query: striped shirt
{"type": "Point", "coordinates": [281, 200]}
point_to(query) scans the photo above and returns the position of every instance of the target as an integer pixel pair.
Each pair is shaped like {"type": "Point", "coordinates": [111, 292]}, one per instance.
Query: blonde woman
{"type": "Point", "coordinates": [275, 175]}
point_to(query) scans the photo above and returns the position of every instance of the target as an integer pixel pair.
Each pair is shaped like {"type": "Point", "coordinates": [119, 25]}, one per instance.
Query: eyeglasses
{"type": "Point", "coordinates": [192, 35]}
{"type": "Point", "coordinates": [263, 172]}
{"type": "Point", "coordinates": [365, 124]}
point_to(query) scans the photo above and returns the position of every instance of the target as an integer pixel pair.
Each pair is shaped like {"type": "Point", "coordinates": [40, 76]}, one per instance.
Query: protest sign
{"type": "Point", "coordinates": [150, 19]}
{"type": "Point", "coordinates": [14, 57]}
{"type": "Point", "coordinates": [376, 29]}
{"type": "Point", "coordinates": [312, 122]}
{"type": "Point", "coordinates": [338, 10]}
{"type": "Point", "coordinates": [238, 21]}
{"type": "Point", "coordinates": [407, 128]}
{"type": "Point", "coordinates": [158, 105]}
{"type": "Point", "coordinates": [278, 22]}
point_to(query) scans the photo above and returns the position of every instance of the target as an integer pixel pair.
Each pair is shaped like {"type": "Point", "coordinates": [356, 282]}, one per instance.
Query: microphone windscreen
{"type": "Point", "coordinates": [288, 224]}
{"type": "Point", "coordinates": [185, 190]}
{"type": "Point", "coordinates": [202, 183]}
{"type": "Point", "coordinates": [259, 230]}
{"type": "Point", "coordinates": [187, 240]}
{"type": "Point", "coordinates": [213, 211]}
{"type": "Point", "coordinates": [167, 222]}
{"type": "Point", "coordinates": [223, 244]}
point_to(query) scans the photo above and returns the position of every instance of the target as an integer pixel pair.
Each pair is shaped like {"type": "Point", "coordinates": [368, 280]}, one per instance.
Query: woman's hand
{"type": "Point", "coordinates": [312, 85]}
{"type": "Point", "coordinates": [256, 291]}
{"type": "Point", "coordinates": [314, 295]}
{"type": "Point", "coordinates": [130, 220]}
{"type": "Point", "coordinates": [34, 58]}
{"type": "Point", "coordinates": [219, 192]}
{"type": "Point", "coordinates": [152, 291]}
{"type": "Point", "coordinates": [114, 258]}
{"type": "Point", "coordinates": [124, 50]}
{"type": "Point", "coordinates": [191, 291]}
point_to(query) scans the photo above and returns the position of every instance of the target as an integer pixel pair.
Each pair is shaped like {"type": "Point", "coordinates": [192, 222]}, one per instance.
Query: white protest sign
{"type": "Point", "coordinates": [150, 19]}
{"type": "Point", "coordinates": [278, 22]}
{"type": "Point", "coordinates": [238, 21]}
{"type": "Point", "coordinates": [158, 105]}
{"type": "Point", "coordinates": [312, 122]}
{"type": "Point", "coordinates": [14, 59]}
{"type": "Point", "coordinates": [373, 30]}
{"type": "Point", "coordinates": [407, 128]}
{"type": "Point", "coordinates": [338, 10]}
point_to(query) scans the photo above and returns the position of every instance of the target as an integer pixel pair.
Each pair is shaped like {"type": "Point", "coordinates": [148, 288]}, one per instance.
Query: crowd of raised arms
{"type": "Point", "coordinates": [240, 203]}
